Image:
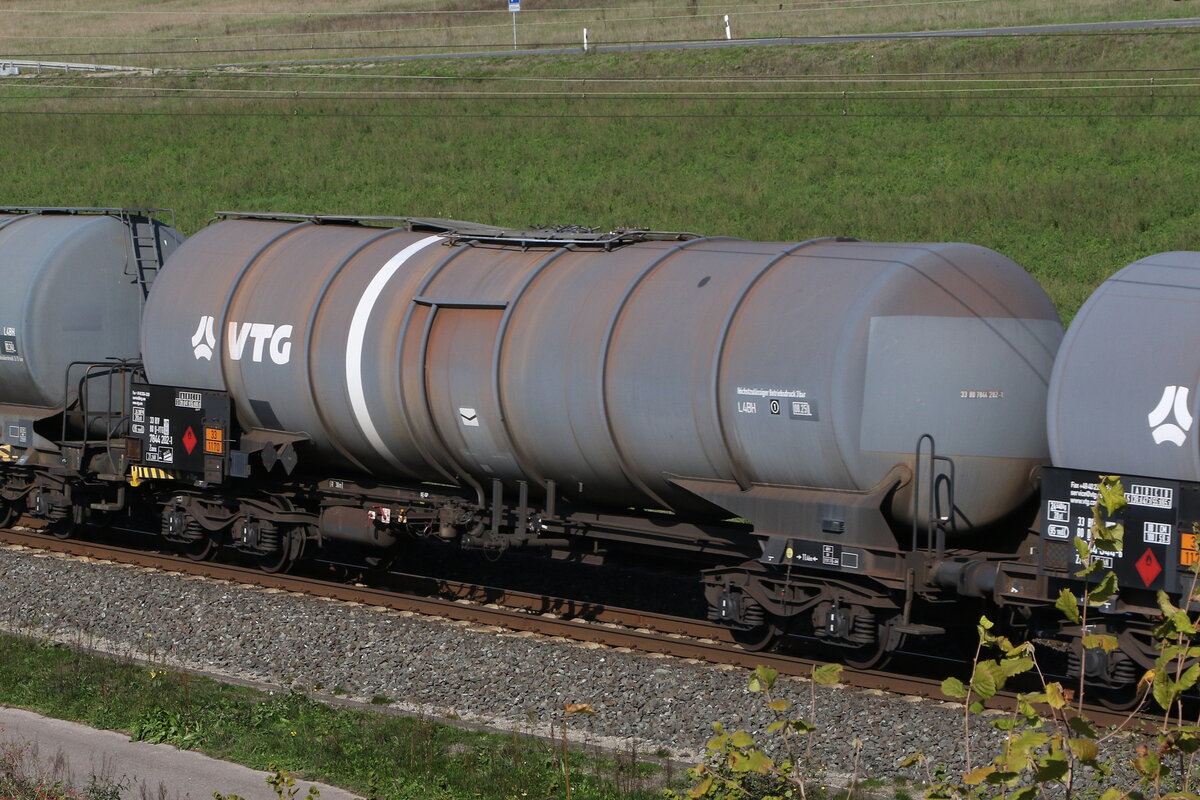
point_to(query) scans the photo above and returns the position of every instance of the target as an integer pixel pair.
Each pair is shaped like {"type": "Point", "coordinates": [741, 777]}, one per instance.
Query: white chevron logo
{"type": "Point", "coordinates": [204, 340]}
{"type": "Point", "coordinates": [1174, 401]}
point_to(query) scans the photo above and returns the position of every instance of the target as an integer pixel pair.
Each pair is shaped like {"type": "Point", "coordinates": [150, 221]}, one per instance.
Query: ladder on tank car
{"type": "Point", "coordinates": [146, 246]}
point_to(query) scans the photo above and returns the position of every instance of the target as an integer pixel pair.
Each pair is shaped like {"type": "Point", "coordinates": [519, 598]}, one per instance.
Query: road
{"type": "Point", "coordinates": [76, 754]}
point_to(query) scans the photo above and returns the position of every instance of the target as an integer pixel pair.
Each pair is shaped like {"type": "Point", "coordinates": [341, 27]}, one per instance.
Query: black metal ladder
{"type": "Point", "coordinates": [147, 253]}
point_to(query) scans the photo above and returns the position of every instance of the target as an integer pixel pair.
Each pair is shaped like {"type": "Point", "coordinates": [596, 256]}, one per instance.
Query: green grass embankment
{"type": "Point", "coordinates": [1070, 180]}
{"type": "Point", "coordinates": [371, 753]}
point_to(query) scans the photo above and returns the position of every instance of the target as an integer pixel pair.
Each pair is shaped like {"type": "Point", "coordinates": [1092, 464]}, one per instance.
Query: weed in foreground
{"type": "Point", "coordinates": [737, 766]}
{"type": "Point", "coordinates": [24, 776]}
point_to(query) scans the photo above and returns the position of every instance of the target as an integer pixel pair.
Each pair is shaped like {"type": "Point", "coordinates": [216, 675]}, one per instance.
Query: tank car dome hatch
{"type": "Point", "coordinates": [617, 368]}
{"type": "Point", "coordinates": [72, 293]}
{"type": "Point", "coordinates": [1124, 391]}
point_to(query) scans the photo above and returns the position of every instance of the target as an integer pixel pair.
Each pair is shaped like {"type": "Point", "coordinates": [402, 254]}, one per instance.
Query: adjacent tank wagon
{"type": "Point", "coordinates": [74, 283]}
{"type": "Point", "coordinates": [1123, 401]}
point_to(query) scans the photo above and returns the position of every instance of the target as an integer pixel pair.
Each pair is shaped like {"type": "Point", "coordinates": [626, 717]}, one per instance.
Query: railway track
{"type": "Point", "coordinates": [545, 615]}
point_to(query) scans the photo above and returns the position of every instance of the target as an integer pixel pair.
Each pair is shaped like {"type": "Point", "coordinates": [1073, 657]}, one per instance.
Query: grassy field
{"type": "Point", "coordinates": [373, 754]}
{"type": "Point", "coordinates": [175, 32]}
{"type": "Point", "coordinates": [1072, 155]}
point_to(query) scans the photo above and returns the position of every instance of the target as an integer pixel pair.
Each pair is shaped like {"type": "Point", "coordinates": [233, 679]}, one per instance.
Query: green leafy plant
{"type": "Point", "coordinates": [163, 726]}
{"type": "Point", "coordinates": [282, 783]}
{"type": "Point", "coordinates": [1039, 750]}
{"type": "Point", "coordinates": [737, 766]}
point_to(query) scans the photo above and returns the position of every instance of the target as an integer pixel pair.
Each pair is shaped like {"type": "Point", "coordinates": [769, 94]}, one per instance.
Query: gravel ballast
{"type": "Point", "coordinates": [439, 668]}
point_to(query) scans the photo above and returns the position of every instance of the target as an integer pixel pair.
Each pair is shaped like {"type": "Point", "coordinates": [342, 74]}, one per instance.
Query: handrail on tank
{"type": "Point", "coordinates": [936, 521]}
{"type": "Point", "coordinates": [125, 367]}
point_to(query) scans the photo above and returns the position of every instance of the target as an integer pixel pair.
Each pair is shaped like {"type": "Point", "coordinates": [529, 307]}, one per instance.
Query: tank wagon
{"type": "Point", "coordinates": [75, 280]}
{"type": "Point", "coordinates": [831, 431]}
{"type": "Point", "coordinates": [1139, 424]}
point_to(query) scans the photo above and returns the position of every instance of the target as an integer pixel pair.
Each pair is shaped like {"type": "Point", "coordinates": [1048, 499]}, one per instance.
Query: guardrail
{"type": "Point", "coordinates": [15, 66]}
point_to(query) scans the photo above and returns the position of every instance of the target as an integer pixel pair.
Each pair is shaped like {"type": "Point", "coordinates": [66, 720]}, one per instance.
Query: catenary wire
{"type": "Point", "coordinates": [826, 98]}
{"type": "Point", "coordinates": [546, 116]}
{"type": "Point", "coordinates": [189, 72]}
{"type": "Point", "coordinates": [115, 93]}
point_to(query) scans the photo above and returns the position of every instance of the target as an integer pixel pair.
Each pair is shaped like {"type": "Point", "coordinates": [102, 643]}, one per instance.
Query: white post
{"type": "Point", "coordinates": [514, 30]}
{"type": "Point", "coordinates": [728, 35]}
{"type": "Point", "coordinates": [585, 40]}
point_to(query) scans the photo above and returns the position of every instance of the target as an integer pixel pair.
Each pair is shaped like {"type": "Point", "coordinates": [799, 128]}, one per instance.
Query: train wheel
{"type": "Point", "coordinates": [66, 527]}
{"type": "Point", "coordinates": [203, 549]}
{"type": "Point", "coordinates": [1124, 698]}
{"type": "Point", "coordinates": [185, 534]}
{"type": "Point", "coordinates": [291, 550]}
{"type": "Point", "coordinates": [8, 513]}
{"type": "Point", "coordinates": [758, 638]}
{"type": "Point", "coordinates": [878, 653]}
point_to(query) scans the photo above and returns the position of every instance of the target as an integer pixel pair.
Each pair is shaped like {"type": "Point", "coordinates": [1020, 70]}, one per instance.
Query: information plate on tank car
{"type": "Point", "coordinates": [795, 403]}
{"type": "Point", "coordinates": [1151, 517]}
{"type": "Point", "coordinates": [822, 555]}
{"type": "Point", "coordinates": [8, 344]}
{"type": "Point", "coordinates": [18, 432]}
{"type": "Point", "coordinates": [174, 423]}
{"type": "Point", "coordinates": [214, 440]}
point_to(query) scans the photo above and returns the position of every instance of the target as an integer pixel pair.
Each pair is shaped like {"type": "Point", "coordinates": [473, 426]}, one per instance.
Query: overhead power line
{"type": "Point", "coordinates": [831, 97]}
{"type": "Point", "coordinates": [163, 92]}
{"type": "Point", "coordinates": [191, 73]}
{"type": "Point", "coordinates": [1163, 77]}
{"type": "Point", "coordinates": [918, 115]}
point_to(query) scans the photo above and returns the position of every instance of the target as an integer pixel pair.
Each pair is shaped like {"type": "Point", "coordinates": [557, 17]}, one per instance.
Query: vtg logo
{"type": "Point", "coordinates": [203, 340]}
{"type": "Point", "coordinates": [273, 339]}
{"type": "Point", "coordinates": [1174, 401]}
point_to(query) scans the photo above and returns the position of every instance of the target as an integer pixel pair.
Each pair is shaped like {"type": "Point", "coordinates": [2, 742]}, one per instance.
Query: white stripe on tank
{"type": "Point", "coordinates": [358, 333]}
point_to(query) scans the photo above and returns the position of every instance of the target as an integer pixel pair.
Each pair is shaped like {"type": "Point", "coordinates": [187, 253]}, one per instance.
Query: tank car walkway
{"type": "Point", "coordinates": [75, 753]}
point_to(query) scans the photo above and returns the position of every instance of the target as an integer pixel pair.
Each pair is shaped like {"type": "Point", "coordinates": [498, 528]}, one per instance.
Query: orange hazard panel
{"type": "Point", "coordinates": [214, 440]}
{"type": "Point", "coordinates": [1188, 554]}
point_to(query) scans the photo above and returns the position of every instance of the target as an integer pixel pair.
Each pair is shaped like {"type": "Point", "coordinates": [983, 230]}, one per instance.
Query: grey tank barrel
{"type": "Point", "coordinates": [612, 366]}
{"type": "Point", "coordinates": [1136, 413]}
{"type": "Point", "coordinates": [71, 294]}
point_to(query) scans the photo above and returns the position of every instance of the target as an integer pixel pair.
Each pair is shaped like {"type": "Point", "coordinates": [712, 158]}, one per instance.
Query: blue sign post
{"type": "Point", "coordinates": [514, 6]}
